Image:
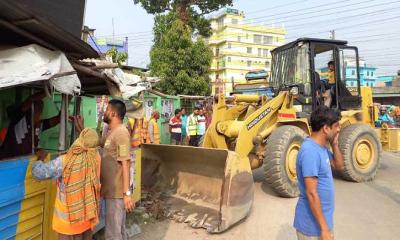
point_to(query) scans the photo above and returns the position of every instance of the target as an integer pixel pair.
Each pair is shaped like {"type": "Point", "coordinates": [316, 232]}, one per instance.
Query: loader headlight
{"type": "Point", "coordinates": [294, 91]}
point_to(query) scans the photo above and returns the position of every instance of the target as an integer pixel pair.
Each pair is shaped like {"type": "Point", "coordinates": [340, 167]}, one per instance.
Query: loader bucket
{"type": "Point", "coordinates": [204, 187]}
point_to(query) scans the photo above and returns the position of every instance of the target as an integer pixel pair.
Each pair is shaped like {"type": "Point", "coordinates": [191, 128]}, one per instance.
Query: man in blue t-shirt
{"type": "Point", "coordinates": [314, 211]}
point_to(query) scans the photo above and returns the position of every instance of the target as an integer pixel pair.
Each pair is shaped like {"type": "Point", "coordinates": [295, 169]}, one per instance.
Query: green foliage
{"type": "Point", "coordinates": [138, 72]}
{"type": "Point", "coordinates": [155, 6]}
{"type": "Point", "coordinates": [162, 23]}
{"type": "Point", "coordinates": [182, 64]}
{"type": "Point", "coordinates": [161, 6]}
{"type": "Point", "coordinates": [117, 57]}
{"type": "Point", "coordinates": [185, 11]}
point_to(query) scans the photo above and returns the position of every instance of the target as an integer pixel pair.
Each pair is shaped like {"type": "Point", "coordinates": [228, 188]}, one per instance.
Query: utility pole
{"type": "Point", "coordinates": [85, 33]}
{"type": "Point", "coordinates": [112, 19]}
{"type": "Point", "coordinates": [332, 34]}
{"type": "Point", "coordinates": [127, 49]}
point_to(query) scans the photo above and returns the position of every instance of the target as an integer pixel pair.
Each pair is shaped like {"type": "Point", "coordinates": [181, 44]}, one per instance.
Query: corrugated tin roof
{"type": "Point", "coordinates": [20, 26]}
{"type": "Point", "coordinates": [308, 40]}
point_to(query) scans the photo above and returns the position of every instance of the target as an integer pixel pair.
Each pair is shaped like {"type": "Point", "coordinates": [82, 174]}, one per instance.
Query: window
{"type": "Point", "coordinates": [249, 63]}
{"type": "Point", "coordinates": [232, 79]}
{"type": "Point", "coordinates": [249, 49]}
{"type": "Point", "coordinates": [239, 38]}
{"type": "Point", "coordinates": [294, 68]}
{"type": "Point", "coordinates": [267, 64]}
{"type": "Point", "coordinates": [229, 59]}
{"type": "Point", "coordinates": [234, 21]}
{"type": "Point", "coordinates": [247, 36]}
{"type": "Point", "coordinates": [367, 73]}
{"type": "Point", "coordinates": [350, 53]}
{"type": "Point", "coordinates": [217, 52]}
{"type": "Point", "coordinates": [220, 23]}
{"type": "Point", "coordinates": [353, 72]}
{"type": "Point", "coordinates": [265, 52]}
{"type": "Point", "coordinates": [259, 52]}
{"type": "Point", "coordinates": [268, 39]}
{"type": "Point", "coordinates": [257, 39]}
{"type": "Point", "coordinates": [229, 45]}
{"type": "Point", "coordinates": [352, 84]}
{"type": "Point", "coordinates": [372, 74]}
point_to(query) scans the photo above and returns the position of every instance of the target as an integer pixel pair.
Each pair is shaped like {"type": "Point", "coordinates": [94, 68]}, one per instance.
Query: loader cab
{"type": "Point", "coordinates": [303, 64]}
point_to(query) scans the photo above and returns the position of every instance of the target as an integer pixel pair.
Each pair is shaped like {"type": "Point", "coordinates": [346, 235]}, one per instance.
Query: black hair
{"type": "Point", "coordinates": [331, 63]}
{"type": "Point", "coordinates": [322, 116]}
{"type": "Point", "coordinates": [196, 108]}
{"type": "Point", "coordinates": [177, 111]}
{"type": "Point", "coordinates": [119, 107]}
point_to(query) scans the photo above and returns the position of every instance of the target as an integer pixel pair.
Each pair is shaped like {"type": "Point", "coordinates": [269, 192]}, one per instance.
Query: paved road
{"type": "Point", "coordinates": [363, 211]}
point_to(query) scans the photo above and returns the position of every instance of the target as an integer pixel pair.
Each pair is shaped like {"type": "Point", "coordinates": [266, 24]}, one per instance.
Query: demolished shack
{"type": "Point", "coordinates": [43, 80]}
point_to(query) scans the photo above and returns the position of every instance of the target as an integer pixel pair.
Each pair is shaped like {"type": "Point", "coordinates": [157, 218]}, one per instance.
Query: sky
{"type": "Point", "coordinates": [371, 25]}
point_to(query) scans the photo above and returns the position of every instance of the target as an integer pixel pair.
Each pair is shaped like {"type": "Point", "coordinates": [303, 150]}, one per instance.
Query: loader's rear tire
{"type": "Point", "coordinates": [361, 151]}
{"type": "Point", "coordinates": [280, 160]}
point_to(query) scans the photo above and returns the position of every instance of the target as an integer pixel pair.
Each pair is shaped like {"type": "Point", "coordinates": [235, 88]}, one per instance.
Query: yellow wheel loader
{"type": "Point", "coordinates": [212, 186]}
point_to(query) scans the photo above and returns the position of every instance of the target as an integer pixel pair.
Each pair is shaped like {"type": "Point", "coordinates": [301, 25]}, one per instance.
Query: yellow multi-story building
{"type": "Point", "coordinates": [239, 47]}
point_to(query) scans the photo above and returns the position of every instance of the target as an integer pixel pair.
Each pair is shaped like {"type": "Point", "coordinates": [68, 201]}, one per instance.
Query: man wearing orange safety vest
{"type": "Point", "coordinates": [138, 129]}
{"type": "Point", "coordinates": [154, 130]}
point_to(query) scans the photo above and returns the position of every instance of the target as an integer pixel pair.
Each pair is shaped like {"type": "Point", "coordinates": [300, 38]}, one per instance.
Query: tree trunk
{"type": "Point", "coordinates": [182, 11]}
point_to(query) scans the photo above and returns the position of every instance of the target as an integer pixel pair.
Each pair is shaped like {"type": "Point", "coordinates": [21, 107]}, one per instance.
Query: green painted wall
{"type": "Point", "coordinates": [166, 106]}
{"type": "Point", "coordinates": [48, 138]}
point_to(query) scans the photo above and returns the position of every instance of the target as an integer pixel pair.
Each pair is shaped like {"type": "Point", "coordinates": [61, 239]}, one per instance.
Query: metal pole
{"type": "Point", "coordinates": [77, 111]}
{"type": "Point", "coordinates": [63, 137]}
{"type": "Point", "coordinates": [332, 34]}
{"type": "Point", "coordinates": [33, 128]}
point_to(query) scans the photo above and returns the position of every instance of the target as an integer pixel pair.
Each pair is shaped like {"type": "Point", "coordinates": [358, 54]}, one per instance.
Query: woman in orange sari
{"type": "Point", "coordinates": [76, 210]}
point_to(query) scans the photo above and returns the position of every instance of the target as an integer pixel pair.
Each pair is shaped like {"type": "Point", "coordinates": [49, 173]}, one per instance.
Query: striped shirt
{"type": "Point", "coordinates": [176, 124]}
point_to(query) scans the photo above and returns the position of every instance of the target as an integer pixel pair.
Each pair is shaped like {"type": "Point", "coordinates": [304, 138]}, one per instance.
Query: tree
{"type": "Point", "coordinates": [183, 65]}
{"type": "Point", "coordinates": [185, 11]}
{"type": "Point", "coordinates": [117, 57]}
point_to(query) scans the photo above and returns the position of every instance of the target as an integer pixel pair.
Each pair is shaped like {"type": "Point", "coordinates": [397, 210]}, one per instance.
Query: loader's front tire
{"type": "Point", "coordinates": [361, 151]}
{"type": "Point", "coordinates": [281, 152]}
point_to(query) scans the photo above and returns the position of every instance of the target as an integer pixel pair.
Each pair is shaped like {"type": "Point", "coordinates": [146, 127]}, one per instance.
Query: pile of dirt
{"type": "Point", "coordinates": [151, 208]}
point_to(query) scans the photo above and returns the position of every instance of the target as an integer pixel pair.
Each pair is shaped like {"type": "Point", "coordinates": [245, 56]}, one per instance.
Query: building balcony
{"type": "Point", "coordinates": [241, 54]}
